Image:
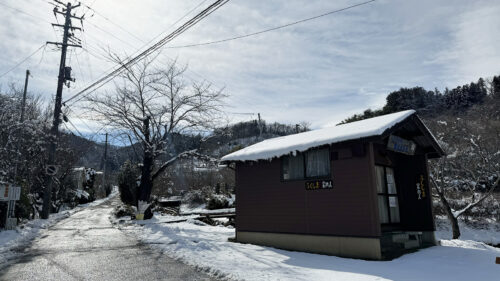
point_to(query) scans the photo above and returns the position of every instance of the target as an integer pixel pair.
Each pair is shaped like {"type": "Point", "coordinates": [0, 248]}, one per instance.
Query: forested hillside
{"type": "Point", "coordinates": [217, 143]}
{"type": "Point", "coordinates": [434, 103]}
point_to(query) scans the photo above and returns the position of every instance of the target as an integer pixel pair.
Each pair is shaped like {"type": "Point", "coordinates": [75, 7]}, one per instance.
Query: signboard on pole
{"type": "Point", "coordinates": [51, 170]}
{"type": "Point", "coordinates": [15, 193]}
{"type": "Point", "coordinates": [9, 192]}
{"type": "Point", "coordinates": [4, 192]}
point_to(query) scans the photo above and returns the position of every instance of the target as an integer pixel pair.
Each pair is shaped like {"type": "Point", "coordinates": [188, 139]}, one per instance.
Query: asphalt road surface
{"type": "Point", "coordinates": [86, 246]}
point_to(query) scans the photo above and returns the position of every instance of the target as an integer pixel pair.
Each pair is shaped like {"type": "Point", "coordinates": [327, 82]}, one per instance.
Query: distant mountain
{"type": "Point", "coordinates": [220, 142]}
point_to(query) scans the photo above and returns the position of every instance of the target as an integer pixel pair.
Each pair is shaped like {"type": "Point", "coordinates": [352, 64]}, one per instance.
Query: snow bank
{"type": "Point", "coordinates": [10, 240]}
{"type": "Point", "coordinates": [277, 147]}
{"type": "Point", "coordinates": [202, 210]}
{"type": "Point", "coordinates": [207, 248]}
{"type": "Point", "coordinates": [489, 233]}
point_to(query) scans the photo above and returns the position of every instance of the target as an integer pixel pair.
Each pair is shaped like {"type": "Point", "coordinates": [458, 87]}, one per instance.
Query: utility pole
{"type": "Point", "coordinates": [260, 126]}
{"type": "Point", "coordinates": [23, 104]}
{"type": "Point", "coordinates": [105, 159]}
{"type": "Point", "coordinates": [23, 109]}
{"type": "Point", "coordinates": [64, 76]}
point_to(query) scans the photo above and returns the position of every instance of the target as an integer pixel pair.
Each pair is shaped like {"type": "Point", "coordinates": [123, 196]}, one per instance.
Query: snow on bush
{"type": "Point", "coordinates": [217, 201]}
{"type": "Point", "coordinates": [209, 197]}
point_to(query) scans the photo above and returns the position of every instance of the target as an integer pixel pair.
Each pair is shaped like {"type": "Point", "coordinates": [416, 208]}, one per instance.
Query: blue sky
{"type": "Point", "coordinates": [319, 72]}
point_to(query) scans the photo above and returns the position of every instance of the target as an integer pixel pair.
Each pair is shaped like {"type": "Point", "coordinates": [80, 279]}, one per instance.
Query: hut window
{"type": "Point", "coordinates": [292, 167]}
{"type": "Point", "coordinates": [318, 163]}
{"type": "Point", "coordinates": [388, 205]}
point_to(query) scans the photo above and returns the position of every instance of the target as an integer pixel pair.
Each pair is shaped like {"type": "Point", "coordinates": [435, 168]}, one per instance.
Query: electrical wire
{"type": "Point", "coordinates": [43, 55]}
{"type": "Point", "coordinates": [139, 39]}
{"type": "Point", "coordinates": [89, 7]}
{"type": "Point", "coordinates": [142, 41]}
{"type": "Point", "coordinates": [91, 75]}
{"type": "Point", "coordinates": [270, 29]}
{"type": "Point", "coordinates": [157, 36]}
{"type": "Point", "coordinates": [79, 66]}
{"type": "Point", "coordinates": [73, 125]}
{"type": "Point", "coordinates": [23, 12]}
{"type": "Point", "coordinates": [266, 30]}
{"type": "Point", "coordinates": [22, 61]}
{"type": "Point", "coordinates": [101, 82]}
{"type": "Point", "coordinates": [134, 47]}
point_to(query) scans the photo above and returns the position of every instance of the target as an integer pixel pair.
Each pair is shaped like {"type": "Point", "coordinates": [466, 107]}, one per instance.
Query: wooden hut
{"type": "Point", "coordinates": [355, 190]}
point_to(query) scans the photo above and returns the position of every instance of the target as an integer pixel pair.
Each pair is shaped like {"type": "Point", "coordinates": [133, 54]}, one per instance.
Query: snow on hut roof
{"type": "Point", "coordinates": [280, 146]}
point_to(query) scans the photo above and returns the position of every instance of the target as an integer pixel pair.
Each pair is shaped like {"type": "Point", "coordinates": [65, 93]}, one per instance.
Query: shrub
{"type": "Point", "coordinates": [194, 197]}
{"type": "Point", "coordinates": [124, 211]}
{"type": "Point", "coordinates": [217, 201]}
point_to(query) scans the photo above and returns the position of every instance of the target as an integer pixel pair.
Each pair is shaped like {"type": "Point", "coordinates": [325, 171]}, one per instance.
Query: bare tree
{"type": "Point", "coordinates": [153, 103]}
{"type": "Point", "coordinates": [470, 173]}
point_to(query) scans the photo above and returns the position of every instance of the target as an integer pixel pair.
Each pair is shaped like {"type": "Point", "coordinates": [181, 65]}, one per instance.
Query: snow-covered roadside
{"type": "Point", "coordinates": [489, 234]}
{"type": "Point", "coordinates": [207, 248]}
{"type": "Point", "coordinates": [12, 239]}
{"type": "Point", "coordinates": [202, 210]}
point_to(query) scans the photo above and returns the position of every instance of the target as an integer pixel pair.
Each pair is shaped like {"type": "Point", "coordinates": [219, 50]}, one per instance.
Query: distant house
{"type": "Point", "coordinates": [78, 178]}
{"type": "Point", "coordinates": [81, 177]}
{"type": "Point", "coordinates": [355, 190]}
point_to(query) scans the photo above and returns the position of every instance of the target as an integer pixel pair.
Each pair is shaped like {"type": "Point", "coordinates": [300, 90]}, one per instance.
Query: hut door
{"type": "Point", "coordinates": [388, 205]}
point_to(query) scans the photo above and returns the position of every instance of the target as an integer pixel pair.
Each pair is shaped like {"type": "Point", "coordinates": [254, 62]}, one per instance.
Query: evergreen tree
{"type": "Point", "coordinates": [127, 183]}
{"type": "Point", "coordinates": [433, 102]}
{"type": "Point", "coordinates": [496, 87]}
{"type": "Point", "coordinates": [410, 98]}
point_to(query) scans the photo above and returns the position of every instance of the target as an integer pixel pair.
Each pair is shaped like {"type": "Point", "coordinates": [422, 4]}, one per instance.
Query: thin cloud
{"type": "Point", "coordinates": [321, 71]}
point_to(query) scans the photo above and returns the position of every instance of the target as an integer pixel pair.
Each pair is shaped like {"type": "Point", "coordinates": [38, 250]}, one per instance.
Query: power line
{"type": "Point", "coordinates": [241, 36]}
{"type": "Point", "coordinates": [21, 62]}
{"type": "Point", "coordinates": [119, 26]}
{"type": "Point", "coordinates": [79, 66]}
{"type": "Point", "coordinates": [103, 57]}
{"type": "Point", "coordinates": [43, 55]}
{"type": "Point", "coordinates": [23, 12]}
{"type": "Point", "coordinates": [139, 39]}
{"type": "Point", "coordinates": [88, 58]}
{"type": "Point", "coordinates": [92, 132]}
{"type": "Point", "coordinates": [270, 29]}
{"type": "Point", "coordinates": [134, 47]}
{"type": "Point", "coordinates": [200, 16]}
{"type": "Point", "coordinates": [147, 43]}
{"type": "Point", "coordinates": [73, 125]}
{"type": "Point", "coordinates": [157, 36]}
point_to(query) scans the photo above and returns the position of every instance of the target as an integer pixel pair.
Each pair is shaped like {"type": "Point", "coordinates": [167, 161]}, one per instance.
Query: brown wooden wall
{"type": "Point", "coordinates": [416, 215]}
{"type": "Point", "coordinates": [267, 204]}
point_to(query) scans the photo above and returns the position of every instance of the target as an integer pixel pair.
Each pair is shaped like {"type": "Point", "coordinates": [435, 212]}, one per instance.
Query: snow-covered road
{"type": "Point", "coordinates": [86, 246]}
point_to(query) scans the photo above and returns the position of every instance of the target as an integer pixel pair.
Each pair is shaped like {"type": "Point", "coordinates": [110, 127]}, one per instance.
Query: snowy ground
{"type": "Point", "coordinates": [12, 239]}
{"type": "Point", "coordinates": [207, 248]}
{"type": "Point", "coordinates": [201, 209]}
{"type": "Point", "coordinates": [186, 210]}
{"type": "Point", "coordinates": [490, 234]}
